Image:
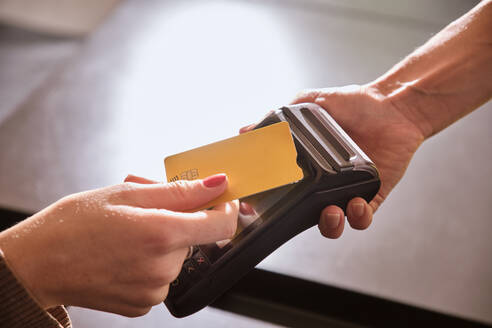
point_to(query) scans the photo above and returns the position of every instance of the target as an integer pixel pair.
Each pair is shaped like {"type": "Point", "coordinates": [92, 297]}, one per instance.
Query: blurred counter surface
{"type": "Point", "coordinates": [161, 77]}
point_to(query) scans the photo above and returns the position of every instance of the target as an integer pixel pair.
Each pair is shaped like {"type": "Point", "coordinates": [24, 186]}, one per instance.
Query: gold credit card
{"type": "Point", "coordinates": [254, 161]}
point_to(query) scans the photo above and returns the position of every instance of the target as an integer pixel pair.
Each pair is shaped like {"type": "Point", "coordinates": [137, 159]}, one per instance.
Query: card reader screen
{"type": "Point", "coordinates": [251, 210]}
{"type": "Point", "coordinates": [257, 209]}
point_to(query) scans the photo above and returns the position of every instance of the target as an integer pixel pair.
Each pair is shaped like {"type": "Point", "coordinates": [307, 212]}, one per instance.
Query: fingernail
{"type": "Point", "coordinates": [358, 209]}
{"type": "Point", "coordinates": [214, 180]}
{"type": "Point", "coordinates": [332, 220]}
{"type": "Point", "coordinates": [246, 209]}
{"type": "Point", "coordinates": [300, 94]}
{"type": "Point", "coordinates": [247, 128]}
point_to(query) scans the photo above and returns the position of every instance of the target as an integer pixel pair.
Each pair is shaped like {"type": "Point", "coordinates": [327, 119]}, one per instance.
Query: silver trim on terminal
{"type": "Point", "coordinates": [352, 158]}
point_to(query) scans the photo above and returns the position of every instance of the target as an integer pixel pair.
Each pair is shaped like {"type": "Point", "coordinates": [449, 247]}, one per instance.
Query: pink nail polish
{"type": "Point", "coordinates": [214, 180]}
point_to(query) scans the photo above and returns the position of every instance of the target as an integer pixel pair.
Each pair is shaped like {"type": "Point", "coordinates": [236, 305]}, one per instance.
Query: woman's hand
{"type": "Point", "coordinates": [116, 249]}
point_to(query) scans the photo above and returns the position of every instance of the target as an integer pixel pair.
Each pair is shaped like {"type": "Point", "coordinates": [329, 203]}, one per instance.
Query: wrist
{"type": "Point", "coordinates": [19, 308]}
{"type": "Point", "coordinates": [405, 99]}
{"type": "Point", "coordinates": [446, 78]}
{"type": "Point", "coordinates": [24, 252]}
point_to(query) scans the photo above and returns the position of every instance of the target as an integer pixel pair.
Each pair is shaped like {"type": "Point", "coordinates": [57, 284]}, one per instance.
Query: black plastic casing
{"type": "Point", "coordinates": [335, 169]}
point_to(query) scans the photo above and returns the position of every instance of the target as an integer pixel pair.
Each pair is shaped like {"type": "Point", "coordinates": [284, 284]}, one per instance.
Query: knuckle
{"type": "Point", "coordinates": [159, 243]}
{"type": "Point", "coordinates": [70, 201]}
{"type": "Point", "coordinates": [179, 189]}
{"type": "Point", "coordinates": [123, 191]}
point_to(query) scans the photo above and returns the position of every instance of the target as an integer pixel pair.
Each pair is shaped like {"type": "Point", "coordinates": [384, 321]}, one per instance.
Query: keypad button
{"type": "Point", "coordinates": [190, 268]}
{"type": "Point", "coordinates": [201, 261]}
{"type": "Point", "coordinates": [193, 268]}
